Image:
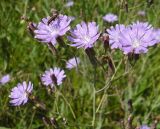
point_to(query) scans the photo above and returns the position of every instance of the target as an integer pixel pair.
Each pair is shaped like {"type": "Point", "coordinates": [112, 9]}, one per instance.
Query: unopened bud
{"type": "Point", "coordinates": [45, 121]}
{"type": "Point", "coordinates": [109, 61]}
{"type": "Point", "coordinates": [91, 54]}
{"type": "Point", "coordinates": [105, 39]}
{"type": "Point", "coordinates": [31, 27]}
{"type": "Point", "coordinates": [53, 49]}
{"type": "Point", "coordinates": [24, 18]}
{"type": "Point", "coordinates": [41, 105]}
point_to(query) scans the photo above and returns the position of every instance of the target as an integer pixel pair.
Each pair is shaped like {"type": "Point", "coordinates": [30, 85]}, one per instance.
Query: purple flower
{"type": "Point", "coordinates": [144, 127]}
{"type": "Point", "coordinates": [84, 35]}
{"type": "Point", "coordinates": [19, 94]}
{"type": "Point", "coordinates": [137, 37]}
{"type": "Point", "coordinates": [48, 33]}
{"type": "Point", "coordinates": [72, 18]}
{"type": "Point", "coordinates": [5, 79]}
{"type": "Point", "coordinates": [72, 63]}
{"type": "Point", "coordinates": [141, 13]}
{"type": "Point", "coordinates": [115, 35]}
{"type": "Point", "coordinates": [110, 17]}
{"type": "Point", "coordinates": [69, 4]}
{"type": "Point", "coordinates": [53, 77]}
{"type": "Point", "coordinates": [156, 35]}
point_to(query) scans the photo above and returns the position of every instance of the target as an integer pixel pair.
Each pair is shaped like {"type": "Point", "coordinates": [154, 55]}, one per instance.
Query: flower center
{"type": "Point", "coordinates": [86, 39]}
{"type": "Point", "coordinates": [24, 96]}
{"type": "Point", "coordinates": [136, 43]}
{"type": "Point", "coordinates": [54, 79]}
{"type": "Point", "coordinates": [54, 31]}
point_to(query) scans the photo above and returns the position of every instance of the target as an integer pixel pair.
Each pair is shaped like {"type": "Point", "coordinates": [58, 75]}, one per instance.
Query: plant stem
{"type": "Point", "coordinates": [74, 116]}
{"type": "Point", "coordinates": [94, 97]}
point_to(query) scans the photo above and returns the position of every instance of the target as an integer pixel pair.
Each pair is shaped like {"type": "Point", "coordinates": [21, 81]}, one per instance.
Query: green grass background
{"type": "Point", "coordinates": [25, 59]}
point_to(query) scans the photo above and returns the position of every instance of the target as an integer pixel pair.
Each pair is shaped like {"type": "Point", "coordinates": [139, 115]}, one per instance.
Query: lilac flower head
{"type": "Point", "coordinates": [156, 34]}
{"type": "Point", "coordinates": [110, 17]}
{"type": "Point", "coordinates": [53, 77]}
{"type": "Point", "coordinates": [69, 3]}
{"type": "Point", "coordinates": [141, 13]}
{"type": "Point", "coordinates": [115, 35]}
{"type": "Point", "coordinates": [137, 37]}
{"type": "Point", "coordinates": [48, 33]}
{"type": "Point", "coordinates": [5, 79]}
{"type": "Point", "coordinates": [144, 127]}
{"type": "Point", "coordinates": [72, 63]}
{"type": "Point", "coordinates": [84, 35]}
{"type": "Point", "coordinates": [19, 94]}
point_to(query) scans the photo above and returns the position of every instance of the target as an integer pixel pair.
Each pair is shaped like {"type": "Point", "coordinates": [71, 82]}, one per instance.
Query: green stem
{"type": "Point", "coordinates": [74, 116]}
{"type": "Point", "coordinates": [31, 120]}
{"type": "Point", "coordinates": [25, 8]}
{"type": "Point", "coordinates": [106, 87]}
{"type": "Point", "coordinates": [110, 80]}
{"type": "Point", "coordinates": [94, 97]}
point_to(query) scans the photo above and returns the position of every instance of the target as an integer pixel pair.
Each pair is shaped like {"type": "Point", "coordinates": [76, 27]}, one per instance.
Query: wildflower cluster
{"type": "Point", "coordinates": [135, 38]}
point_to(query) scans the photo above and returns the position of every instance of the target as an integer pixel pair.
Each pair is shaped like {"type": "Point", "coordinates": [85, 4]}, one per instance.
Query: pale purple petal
{"type": "Point", "coordinates": [5, 79]}
{"type": "Point", "coordinates": [50, 32]}
{"type": "Point", "coordinates": [156, 34]}
{"type": "Point", "coordinates": [72, 63]}
{"type": "Point", "coordinates": [137, 38]}
{"type": "Point", "coordinates": [110, 18]}
{"type": "Point", "coordinates": [69, 4]}
{"type": "Point", "coordinates": [115, 35]}
{"type": "Point", "coordinates": [19, 94]}
{"type": "Point", "coordinates": [47, 79]}
{"type": "Point", "coordinates": [84, 35]}
{"type": "Point", "coordinates": [145, 127]}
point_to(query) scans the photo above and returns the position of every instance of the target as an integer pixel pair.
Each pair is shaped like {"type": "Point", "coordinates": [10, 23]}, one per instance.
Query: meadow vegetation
{"type": "Point", "coordinates": [131, 91]}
